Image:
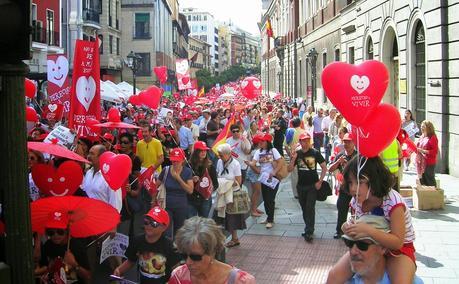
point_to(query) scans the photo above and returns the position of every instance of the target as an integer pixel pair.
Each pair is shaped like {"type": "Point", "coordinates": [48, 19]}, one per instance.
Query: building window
{"type": "Point", "coordinates": [117, 46]}
{"type": "Point", "coordinates": [109, 13]}
{"type": "Point", "coordinates": [144, 65]}
{"type": "Point", "coordinates": [337, 55]}
{"type": "Point", "coordinates": [189, 18]}
{"type": "Point", "coordinates": [142, 25]}
{"type": "Point", "coordinates": [110, 44]}
{"type": "Point", "coordinates": [351, 55]}
{"type": "Point", "coordinates": [370, 49]}
{"type": "Point", "coordinates": [324, 60]}
{"type": "Point", "coordinates": [50, 27]}
{"type": "Point", "coordinates": [420, 73]}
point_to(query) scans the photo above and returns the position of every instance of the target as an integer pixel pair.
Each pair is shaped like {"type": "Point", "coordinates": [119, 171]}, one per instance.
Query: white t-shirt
{"type": "Point", "coordinates": [326, 123]}
{"type": "Point", "coordinates": [266, 158]}
{"type": "Point", "coordinates": [195, 131]}
{"type": "Point", "coordinates": [236, 147]}
{"type": "Point", "coordinates": [233, 169]}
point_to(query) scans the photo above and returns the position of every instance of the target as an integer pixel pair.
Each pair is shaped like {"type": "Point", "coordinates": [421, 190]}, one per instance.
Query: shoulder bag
{"type": "Point", "coordinates": [204, 186]}
{"type": "Point", "coordinates": [161, 197]}
{"type": "Point", "coordinates": [282, 172]}
{"type": "Point", "coordinates": [241, 201]}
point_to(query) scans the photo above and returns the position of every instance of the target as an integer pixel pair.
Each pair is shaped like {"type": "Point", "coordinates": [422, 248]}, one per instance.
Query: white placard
{"type": "Point", "coordinates": [163, 112]}
{"type": "Point", "coordinates": [266, 180]}
{"type": "Point", "coordinates": [114, 247]}
{"type": "Point", "coordinates": [63, 135]}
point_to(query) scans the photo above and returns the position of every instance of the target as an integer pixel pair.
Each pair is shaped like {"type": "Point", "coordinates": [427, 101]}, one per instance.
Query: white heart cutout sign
{"type": "Point", "coordinates": [105, 168]}
{"type": "Point", "coordinates": [85, 91]}
{"type": "Point", "coordinates": [52, 107]}
{"type": "Point", "coordinates": [204, 182]}
{"type": "Point", "coordinates": [256, 84]}
{"type": "Point", "coordinates": [58, 70]}
{"type": "Point", "coordinates": [360, 84]}
{"type": "Point", "coordinates": [244, 84]}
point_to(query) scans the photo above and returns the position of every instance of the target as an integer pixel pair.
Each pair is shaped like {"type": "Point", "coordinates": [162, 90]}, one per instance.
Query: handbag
{"type": "Point", "coordinates": [324, 191]}
{"type": "Point", "coordinates": [241, 202]}
{"type": "Point", "coordinates": [282, 172]}
{"type": "Point", "coordinates": [161, 197]}
{"type": "Point", "coordinates": [204, 186]}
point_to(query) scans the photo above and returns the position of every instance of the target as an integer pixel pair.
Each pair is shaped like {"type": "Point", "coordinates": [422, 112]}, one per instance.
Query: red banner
{"type": "Point", "coordinates": [58, 81]}
{"type": "Point", "coordinates": [183, 74]}
{"type": "Point", "coordinates": [53, 112]}
{"type": "Point", "coordinates": [85, 98]}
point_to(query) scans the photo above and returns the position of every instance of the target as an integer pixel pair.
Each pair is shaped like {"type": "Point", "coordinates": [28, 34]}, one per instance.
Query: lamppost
{"type": "Point", "coordinates": [312, 56]}
{"type": "Point", "coordinates": [133, 63]}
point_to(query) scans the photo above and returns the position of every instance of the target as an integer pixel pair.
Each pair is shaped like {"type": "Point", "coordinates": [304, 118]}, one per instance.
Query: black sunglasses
{"type": "Point", "coordinates": [52, 232]}
{"type": "Point", "coordinates": [361, 245]}
{"type": "Point", "coordinates": [193, 257]}
{"type": "Point", "coordinates": [235, 131]}
{"type": "Point", "coordinates": [152, 223]}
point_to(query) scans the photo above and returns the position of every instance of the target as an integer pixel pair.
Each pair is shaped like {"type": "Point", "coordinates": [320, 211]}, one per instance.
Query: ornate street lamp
{"type": "Point", "coordinates": [133, 63]}
{"type": "Point", "coordinates": [312, 56]}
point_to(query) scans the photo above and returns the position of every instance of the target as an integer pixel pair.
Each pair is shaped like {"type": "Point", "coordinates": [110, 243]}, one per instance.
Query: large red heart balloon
{"type": "Point", "coordinates": [64, 180]}
{"type": "Point", "coordinates": [355, 90]}
{"type": "Point", "coordinates": [135, 100]}
{"type": "Point", "coordinates": [151, 97]}
{"type": "Point", "coordinates": [251, 87]}
{"type": "Point", "coordinates": [30, 88]}
{"type": "Point", "coordinates": [31, 114]}
{"type": "Point", "coordinates": [114, 115]}
{"type": "Point", "coordinates": [115, 168]}
{"type": "Point", "coordinates": [378, 131]}
{"type": "Point", "coordinates": [161, 73]}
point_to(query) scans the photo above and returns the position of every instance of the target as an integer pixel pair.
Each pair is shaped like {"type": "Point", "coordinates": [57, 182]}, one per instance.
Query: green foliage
{"type": "Point", "coordinates": [233, 73]}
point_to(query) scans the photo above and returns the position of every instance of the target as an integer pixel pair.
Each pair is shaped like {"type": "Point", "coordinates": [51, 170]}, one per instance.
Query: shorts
{"type": "Point", "coordinates": [407, 249]}
{"type": "Point", "coordinates": [251, 176]}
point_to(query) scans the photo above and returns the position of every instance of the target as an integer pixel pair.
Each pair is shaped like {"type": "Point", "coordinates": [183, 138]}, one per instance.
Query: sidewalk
{"type": "Point", "coordinates": [280, 255]}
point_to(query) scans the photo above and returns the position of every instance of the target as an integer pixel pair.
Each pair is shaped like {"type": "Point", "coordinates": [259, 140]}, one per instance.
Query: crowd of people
{"type": "Point", "coordinates": [179, 241]}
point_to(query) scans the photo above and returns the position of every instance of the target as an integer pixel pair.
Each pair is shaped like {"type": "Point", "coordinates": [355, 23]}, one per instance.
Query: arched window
{"type": "Point", "coordinates": [420, 73]}
{"type": "Point", "coordinates": [370, 49]}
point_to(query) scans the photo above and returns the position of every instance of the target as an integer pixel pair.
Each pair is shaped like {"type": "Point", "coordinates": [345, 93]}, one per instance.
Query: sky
{"type": "Point", "coordinates": [243, 13]}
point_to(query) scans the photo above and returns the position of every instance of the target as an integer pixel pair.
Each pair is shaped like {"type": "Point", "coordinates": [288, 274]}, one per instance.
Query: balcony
{"type": "Point", "coordinates": [42, 35]}
{"type": "Point", "coordinates": [91, 16]}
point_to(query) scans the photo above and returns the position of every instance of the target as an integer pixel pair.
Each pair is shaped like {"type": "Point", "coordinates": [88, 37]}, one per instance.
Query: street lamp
{"type": "Point", "coordinates": [312, 56]}
{"type": "Point", "coordinates": [133, 63]}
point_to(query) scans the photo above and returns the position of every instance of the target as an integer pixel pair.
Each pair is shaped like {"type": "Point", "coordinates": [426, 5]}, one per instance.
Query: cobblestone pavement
{"type": "Point", "coordinates": [280, 255]}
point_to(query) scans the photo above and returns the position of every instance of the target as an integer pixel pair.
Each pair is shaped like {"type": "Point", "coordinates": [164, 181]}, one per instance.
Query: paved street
{"type": "Point", "coordinates": [280, 255]}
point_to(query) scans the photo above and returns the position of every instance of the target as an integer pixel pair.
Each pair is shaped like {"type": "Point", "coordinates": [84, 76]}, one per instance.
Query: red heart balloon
{"type": "Point", "coordinates": [161, 73]}
{"type": "Point", "coordinates": [151, 97]}
{"type": "Point", "coordinates": [135, 100]}
{"type": "Point", "coordinates": [176, 96]}
{"type": "Point", "coordinates": [115, 168]}
{"type": "Point", "coordinates": [185, 80]}
{"type": "Point", "coordinates": [114, 115]}
{"type": "Point", "coordinates": [30, 88]}
{"type": "Point", "coordinates": [355, 90]}
{"type": "Point", "coordinates": [251, 87]}
{"type": "Point", "coordinates": [31, 114]}
{"type": "Point", "coordinates": [90, 123]}
{"type": "Point", "coordinates": [64, 180]}
{"type": "Point", "coordinates": [378, 131]}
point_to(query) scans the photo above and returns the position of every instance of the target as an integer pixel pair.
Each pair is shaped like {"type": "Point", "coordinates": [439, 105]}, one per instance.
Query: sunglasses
{"type": "Point", "coordinates": [124, 142]}
{"type": "Point", "coordinates": [151, 223]}
{"type": "Point", "coordinates": [53, 232]}
{"type": "Point", "coordinates": [361, 245]}
{"type": "Point", "coordinates": [193, 257]}
{"type": "Point", "coordinates": [235, 131]}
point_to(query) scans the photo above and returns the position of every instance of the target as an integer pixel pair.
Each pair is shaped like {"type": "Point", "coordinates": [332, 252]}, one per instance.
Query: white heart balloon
{"type": "Point", "coordinates": [58, 70]}
{"type": "Point", "coordinates": [360, 84]}
{"type": "Point", "coordinates": [85, 91]}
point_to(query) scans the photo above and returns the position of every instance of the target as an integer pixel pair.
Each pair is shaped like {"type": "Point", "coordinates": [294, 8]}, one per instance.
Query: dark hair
{"type": "Point", "coordinates": [379, 177]}
{"type": "Point", "coordinates": [196, 165]}
{"type": "Point", "coordinates": [296, 122]}
{"type": "Point", "coordinates": [128, 136]}
{"type": "Point", "coordinates": [235, 126]}
{"type": "Point", "coordinates": [86, 141]}
{"type": "Point", "coordinates": [411, 114]}
{"type": "Point", "coordinates": [213, 115]}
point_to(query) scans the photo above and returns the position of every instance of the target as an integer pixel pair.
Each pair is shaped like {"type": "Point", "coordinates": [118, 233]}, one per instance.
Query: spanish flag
{"type": "Point", "coordinates": [269, 29]}
{"type": "Point", "coordinates": [225, 133]}
{"type": "Point", "coordinates": [201, 92]}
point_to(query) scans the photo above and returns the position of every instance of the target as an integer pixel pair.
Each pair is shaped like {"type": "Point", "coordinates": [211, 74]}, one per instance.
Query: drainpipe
{"type": "Point", "coordinates": [444, 168]}
{"type": "Point", "coordinates": [295, 77]}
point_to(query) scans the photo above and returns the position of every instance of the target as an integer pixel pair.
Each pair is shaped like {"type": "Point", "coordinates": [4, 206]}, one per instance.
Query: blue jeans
{"type": "Point", "coordinates": [202, 209]}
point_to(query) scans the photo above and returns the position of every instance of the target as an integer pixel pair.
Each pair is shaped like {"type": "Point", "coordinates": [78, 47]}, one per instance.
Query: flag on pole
{"type": "Point", "coordinates": [225, 133]}
{"type": "Point", "coordinates": [269, 28]}
{"type": "Point", "coordinates": [201, 92]}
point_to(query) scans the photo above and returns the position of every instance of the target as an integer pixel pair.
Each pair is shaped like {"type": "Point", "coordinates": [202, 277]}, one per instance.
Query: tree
{"type": "Point", "coordinates": [233, 73]}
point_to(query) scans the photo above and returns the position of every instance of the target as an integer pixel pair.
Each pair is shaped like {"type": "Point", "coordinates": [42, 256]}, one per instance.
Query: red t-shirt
{"type": "Point", "coordinates": [431, 144]}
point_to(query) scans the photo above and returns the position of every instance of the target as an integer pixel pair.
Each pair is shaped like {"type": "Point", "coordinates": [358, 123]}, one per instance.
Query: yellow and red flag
{"type": "Point", "coordinates": [201, 92]}
{"type": "Point", "coordinates": [269, 29]}
{"type": "Point", "coordinates": [225, 133]}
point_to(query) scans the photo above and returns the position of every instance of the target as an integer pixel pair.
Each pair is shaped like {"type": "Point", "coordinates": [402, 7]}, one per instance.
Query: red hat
{"type": "Point", "coordinates": [200, 145]}
{"type": "Point", "coordinates": [57, 220]}
{"type": "Point", "coordinates": [159, 215]}
{"type": "Point", "coordinates": [166, 131]}
{"type": "Point", "coordinates": [177, 155]}
{"type": "Point", "coordinates": [347, 137]}
{"type": "Point", "coordinates": [267, 137]}
{"type": "Point", "coordinates": [187, 117]}
{"type": "Point", "coordinates": [304, 135]}
{"type": "Point", "coordinates": [108, 136]}
{"type": "Point", "coordinates": [295, 112]}
{"type": "Point", "coordinates": [257, 138]}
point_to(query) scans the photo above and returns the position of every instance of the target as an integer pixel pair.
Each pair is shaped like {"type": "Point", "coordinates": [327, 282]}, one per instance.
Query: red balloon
{"type": "Point", "coordinates": [355, 90]}
{"type": "Point", "coordinates": [115, 168]}
{"type": "Point", "coordinates": [114, 115]}
{"type": "Point", "coordinates": [64, 180]}
{"type": "Point", "coordinates": [135, 100]}
{"type": "Point", "coordinates": [176, 96]}
{"type": "Point", "coordinates": [161, 73]}
{"type": "Point", "coordinates": [90, 123]}
{"type": "Point", "coordinates": [30, 88]}
{"type": "Point", "coordinates": [151, 97]}
{"type": "Point", "coordinates": [31, 114]}
{"type": "Point", "coordinates": [251, 87]}
{"type": "Point", "coordinates": [189, 100]}
{"type": "Point", "coordinates": [378, 131]}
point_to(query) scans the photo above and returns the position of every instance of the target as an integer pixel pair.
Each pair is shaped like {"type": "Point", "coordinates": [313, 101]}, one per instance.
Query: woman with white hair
{"type": "Point", "coordinates": [199, 241]}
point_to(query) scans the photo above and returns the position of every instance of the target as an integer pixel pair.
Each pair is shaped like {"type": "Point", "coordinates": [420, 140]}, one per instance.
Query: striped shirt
{"type": "Point", "coordinates": [391, 201]}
